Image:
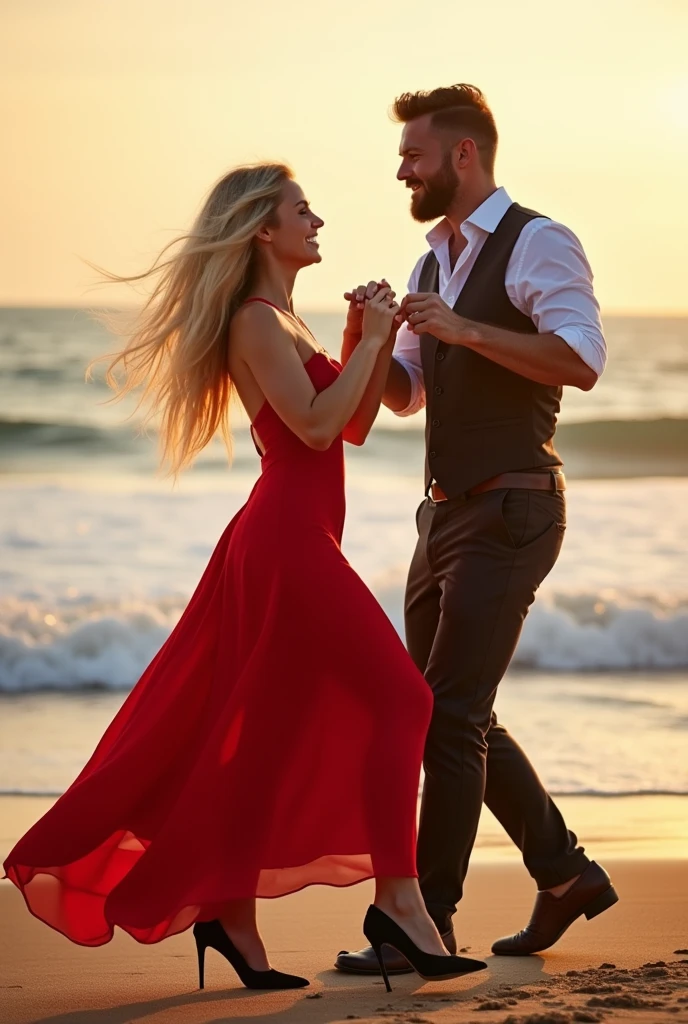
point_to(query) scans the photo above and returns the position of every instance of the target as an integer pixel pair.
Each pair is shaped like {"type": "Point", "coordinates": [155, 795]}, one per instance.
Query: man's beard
{"type": "Point", "coordinates": [437, 194]}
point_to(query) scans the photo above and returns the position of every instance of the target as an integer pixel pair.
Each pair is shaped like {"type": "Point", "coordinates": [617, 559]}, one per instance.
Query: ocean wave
{"type": "Point", "coordinates": [583, 631]}
{"type": "Point", "coordinates": [27, 435]}
{"type": "Point", "coordinates": [597, 448]}
{"type": "Point", "coordinates": [592, 633]}
{"type": "Point", "coordinates": [30, 444]}
{"type": "Point", "coordinates": [85, 646]}
{"type": "Point", "coordinates": [44, 793]}
{"type": "Point", "coordinates": [108, 645]}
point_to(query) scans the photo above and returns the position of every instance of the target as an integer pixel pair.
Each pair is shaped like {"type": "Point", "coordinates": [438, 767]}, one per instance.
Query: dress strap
{"type": "Point", "coordinates": [267, 302]}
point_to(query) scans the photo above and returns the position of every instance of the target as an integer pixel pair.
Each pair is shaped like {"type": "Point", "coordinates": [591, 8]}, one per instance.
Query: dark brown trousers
{"type": "Point", "coordinates": [473, 577]}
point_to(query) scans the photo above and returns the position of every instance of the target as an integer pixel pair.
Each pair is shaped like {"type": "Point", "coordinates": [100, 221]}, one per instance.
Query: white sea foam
{"type": "Point", "coordinates": [95, 645]}
{"type": "Point", "coordinates": [92, 580]}
{"type": "Point", "coordinates": [621, 636]}
{"type": "Point", "coordinates": [109, 644]}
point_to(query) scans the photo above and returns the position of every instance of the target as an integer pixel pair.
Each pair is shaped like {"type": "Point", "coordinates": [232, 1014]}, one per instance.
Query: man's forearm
{"type": "Point", "coordinates": [545, 358]}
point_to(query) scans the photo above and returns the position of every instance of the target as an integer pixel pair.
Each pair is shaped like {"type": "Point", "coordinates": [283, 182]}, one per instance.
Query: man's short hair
{"type": "Point", "coordinates": [457, 109]}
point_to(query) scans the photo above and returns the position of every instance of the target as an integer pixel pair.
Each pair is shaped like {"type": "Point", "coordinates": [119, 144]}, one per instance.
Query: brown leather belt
{"type": "Point", "coordinates": [551, 480]}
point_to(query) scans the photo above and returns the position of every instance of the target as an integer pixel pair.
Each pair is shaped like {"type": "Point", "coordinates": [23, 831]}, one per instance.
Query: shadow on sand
{"type": "Point", "coordinates": [352, 995]}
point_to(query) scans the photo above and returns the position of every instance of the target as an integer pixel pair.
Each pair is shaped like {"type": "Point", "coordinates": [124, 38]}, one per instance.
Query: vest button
{"type": "Point", "coordinates": [436, 423]}
{"type": "Point", "coordinates": [431, 455]}
{"type": "Point", "coordinates": [439, 390]}
{"type": "Point", "coordinates": [439, 357]}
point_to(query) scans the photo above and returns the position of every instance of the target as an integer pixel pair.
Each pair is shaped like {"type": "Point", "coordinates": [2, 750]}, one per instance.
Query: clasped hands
{"type": "Point", "coordinates": [423, 313]}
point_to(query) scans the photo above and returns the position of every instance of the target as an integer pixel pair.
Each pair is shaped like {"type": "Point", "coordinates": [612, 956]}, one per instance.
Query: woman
{"type": "Point", "coordinates": [219, 780]}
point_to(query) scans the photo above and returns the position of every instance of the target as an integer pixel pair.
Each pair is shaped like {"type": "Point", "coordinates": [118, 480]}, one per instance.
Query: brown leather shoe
{"type": "Point", "coordinates": [592, 893]}
{"type": "Point", "coordinates": [364, 961]}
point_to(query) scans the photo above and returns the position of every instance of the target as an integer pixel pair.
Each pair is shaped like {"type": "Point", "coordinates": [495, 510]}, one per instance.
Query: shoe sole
{"type": "Point", "coordinates": [448, 977]}
{"type": "Point", "coordinates": [597, 906]}
{"type": "Point", "coordinates": [373, 973]}
{"type": "Point", "coordinates": [390, 971]}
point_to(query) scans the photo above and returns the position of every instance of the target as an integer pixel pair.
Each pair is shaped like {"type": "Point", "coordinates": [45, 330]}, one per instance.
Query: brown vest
{"type": "Point", "coordinates": [482, 419]}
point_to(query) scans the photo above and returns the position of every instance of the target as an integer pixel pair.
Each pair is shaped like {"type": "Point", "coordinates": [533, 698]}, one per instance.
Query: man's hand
{"type": "Point", "coordinates": [357, 298]}
{"type": "Point", "coordinates": [427, 313]}
{"type": "Point", "coordinates": [545, 358]}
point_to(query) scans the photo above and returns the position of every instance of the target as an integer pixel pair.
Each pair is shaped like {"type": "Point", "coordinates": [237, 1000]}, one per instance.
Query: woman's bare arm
{"type": "Point", "coordinates": [360, 424]}
{"type": "Point", "coordinates": [264, 343]}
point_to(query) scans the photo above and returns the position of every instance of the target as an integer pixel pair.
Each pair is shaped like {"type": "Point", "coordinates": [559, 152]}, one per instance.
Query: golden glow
{"type": "Point", "coordinates": [674, 105]}
{"type": "Point", "coordinates": [116, 118]}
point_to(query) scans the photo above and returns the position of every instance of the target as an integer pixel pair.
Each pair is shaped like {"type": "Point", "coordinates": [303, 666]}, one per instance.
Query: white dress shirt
{"type": "Point", "coordinates": [548, 278]}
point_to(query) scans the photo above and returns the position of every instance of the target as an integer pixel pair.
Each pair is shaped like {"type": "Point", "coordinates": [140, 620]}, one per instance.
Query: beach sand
{"type": "Point", "coordinates": [44, 978]}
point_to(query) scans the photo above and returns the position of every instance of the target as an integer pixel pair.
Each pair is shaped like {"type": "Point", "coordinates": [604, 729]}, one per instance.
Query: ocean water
{"type": "Point", "coordinates": [98, 557]}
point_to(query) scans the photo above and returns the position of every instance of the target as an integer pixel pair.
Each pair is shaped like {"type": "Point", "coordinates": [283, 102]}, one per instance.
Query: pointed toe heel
{"type": "Point", "coordinates": [211, 933]}
{"type": "Point", "coordinates": [381, 930]}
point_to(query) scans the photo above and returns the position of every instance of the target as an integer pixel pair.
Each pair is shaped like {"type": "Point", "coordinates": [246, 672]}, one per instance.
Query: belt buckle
{"type": "Point", "coordinates": [558, 480]}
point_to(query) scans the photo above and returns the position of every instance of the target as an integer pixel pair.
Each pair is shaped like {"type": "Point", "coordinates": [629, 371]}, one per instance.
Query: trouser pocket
{"type": "Point", "coordinates": [527, 516]}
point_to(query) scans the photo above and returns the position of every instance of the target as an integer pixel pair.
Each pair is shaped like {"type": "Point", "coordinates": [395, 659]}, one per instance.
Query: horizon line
{"type": "Point", "coordinates": [646, 314]}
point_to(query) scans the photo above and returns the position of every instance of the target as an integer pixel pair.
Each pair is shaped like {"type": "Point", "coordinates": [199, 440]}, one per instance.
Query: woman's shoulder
{"type": "Point", "coordinates": [260, 315]}
{"type": "Point", "coordinates": [260, 325]}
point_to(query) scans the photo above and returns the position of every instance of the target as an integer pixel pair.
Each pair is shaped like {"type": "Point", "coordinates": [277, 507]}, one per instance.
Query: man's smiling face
{"type": "Point", "coordinates": [427, 168]}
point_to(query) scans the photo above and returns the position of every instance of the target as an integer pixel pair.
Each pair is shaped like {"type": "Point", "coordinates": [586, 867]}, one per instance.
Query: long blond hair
{"type": "Point", "coordinates": [177, 343]}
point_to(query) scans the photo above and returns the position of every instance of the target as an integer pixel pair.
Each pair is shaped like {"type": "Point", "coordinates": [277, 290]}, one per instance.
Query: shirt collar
{"type": "Point", "coordinates": [486, 217]}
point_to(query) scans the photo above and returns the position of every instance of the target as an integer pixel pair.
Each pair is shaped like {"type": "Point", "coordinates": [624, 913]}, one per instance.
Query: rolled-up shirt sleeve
{"type": "Point", "coordinates": [550, 280]}
{"type": "Point", "coordinates": [407, 352]}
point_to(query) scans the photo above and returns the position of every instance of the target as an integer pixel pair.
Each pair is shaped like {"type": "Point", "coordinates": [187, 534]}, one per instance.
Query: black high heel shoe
{"type": "Point", "coordinates": [380, 930]}
{"type": "Point", "coordinates": [211, 933]}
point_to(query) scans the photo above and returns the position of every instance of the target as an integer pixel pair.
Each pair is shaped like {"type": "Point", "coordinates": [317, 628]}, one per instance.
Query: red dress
{"type": "Point", "coordinates": [274, 742]}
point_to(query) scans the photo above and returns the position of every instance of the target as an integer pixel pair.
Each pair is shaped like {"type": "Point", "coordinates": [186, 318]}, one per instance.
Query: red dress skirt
{"type": "Point", "coordinates": [274, 742]}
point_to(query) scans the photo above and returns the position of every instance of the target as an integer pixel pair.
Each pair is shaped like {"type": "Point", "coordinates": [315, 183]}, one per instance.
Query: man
{"type": "Point", "coordinates": [500, 316]}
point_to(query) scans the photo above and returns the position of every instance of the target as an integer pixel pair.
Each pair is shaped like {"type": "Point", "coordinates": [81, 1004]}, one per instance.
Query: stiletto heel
{"type": "Point", "coordinates": [200, 950]}
{"type": "Point", "coordinates": [383, 969]}
{"type": "Point", "coordinates": [211, 933]}
{"type": "Point", "coordinates": [381, 930]}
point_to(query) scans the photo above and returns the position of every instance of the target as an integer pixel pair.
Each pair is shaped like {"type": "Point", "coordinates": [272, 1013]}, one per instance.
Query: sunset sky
{"type": "Point", "coordinates": [117, 117]}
